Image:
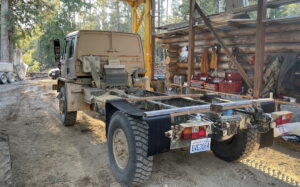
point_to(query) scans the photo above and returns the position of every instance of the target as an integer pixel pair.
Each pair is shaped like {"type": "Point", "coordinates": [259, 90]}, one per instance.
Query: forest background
{"type": "Point", "coordinates": [32, 25]}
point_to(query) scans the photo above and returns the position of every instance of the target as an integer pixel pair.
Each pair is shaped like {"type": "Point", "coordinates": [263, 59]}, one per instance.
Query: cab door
{"type": "Point", "coordinates": [69, 59]}
{"type": "Point", "coordinates": [64, 59]}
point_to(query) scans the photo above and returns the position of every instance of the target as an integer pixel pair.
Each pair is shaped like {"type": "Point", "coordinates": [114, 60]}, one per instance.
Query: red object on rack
{"type": "Point", "coordinates": [212, 83]}
{"type": "Point", "coordinates": [211, 86]}
{"type": "Point", "coordinates": [233, 76]}
{"type": "Point", "coordinates": [197, 84]}
{"type": "Point", "coordinates": [230, 86]}
{"type": "Point", "coordinates": [198, 80]}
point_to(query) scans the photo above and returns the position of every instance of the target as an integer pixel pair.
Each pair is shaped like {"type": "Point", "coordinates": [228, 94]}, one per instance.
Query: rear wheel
{"type": "Point", "coordinates": [238, 147]}
{"type": "Point", "coordinates": [3, 78]}
{"type": "Point", "coordinates": [127, 148]}
{"type": "Point", "coordinates": [11, 77]}
{"type": "Point", "coordinates": [67, 118]}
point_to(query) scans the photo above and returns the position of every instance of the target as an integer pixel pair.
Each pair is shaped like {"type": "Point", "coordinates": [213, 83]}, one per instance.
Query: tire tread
{"type": "Point", "coordinates": [144, 163]}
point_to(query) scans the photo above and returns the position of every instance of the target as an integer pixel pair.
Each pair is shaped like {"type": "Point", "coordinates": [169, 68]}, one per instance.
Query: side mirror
{"type": "Point", "coordinates": [57, 52]}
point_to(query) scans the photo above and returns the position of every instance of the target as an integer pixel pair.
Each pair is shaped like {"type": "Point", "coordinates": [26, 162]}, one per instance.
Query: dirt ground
{"type": "Point", "coordinates": [45, 153]}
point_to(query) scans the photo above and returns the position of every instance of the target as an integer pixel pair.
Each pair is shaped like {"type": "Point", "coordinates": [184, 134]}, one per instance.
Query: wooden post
{"type": "Point", "coordinates": [260, 47]}
{"type": "Point", "coordinates": [191, 42]}
{"type": "Point", "coordinates": [224, 47]}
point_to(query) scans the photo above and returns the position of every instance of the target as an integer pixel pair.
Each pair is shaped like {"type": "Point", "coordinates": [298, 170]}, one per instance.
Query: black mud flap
{"type": "Point", "coordinates": [268, 107]}
{"type": "Point", "coordinates": [158, 125]}
{"type": "Point", "coordinates": [267, 139]}
{"type": "Point", "coordinates": [122, 105]}
{"type": "Point", "coordinates": [157, 141]}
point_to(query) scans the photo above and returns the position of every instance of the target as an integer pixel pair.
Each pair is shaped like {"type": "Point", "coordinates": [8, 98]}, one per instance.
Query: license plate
{"type": "Point", "coordinates": [200, 145]}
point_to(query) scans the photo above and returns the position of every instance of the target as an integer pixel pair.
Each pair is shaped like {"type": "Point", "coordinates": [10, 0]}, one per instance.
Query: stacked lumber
{"type": "Point", "coordinates": [282, 36]}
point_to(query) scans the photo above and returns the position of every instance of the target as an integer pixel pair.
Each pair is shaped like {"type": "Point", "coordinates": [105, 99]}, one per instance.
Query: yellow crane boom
{"type": "Point", "coordinates": [137, 20]}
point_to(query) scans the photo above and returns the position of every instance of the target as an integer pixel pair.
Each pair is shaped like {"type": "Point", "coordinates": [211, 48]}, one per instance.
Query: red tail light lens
{"type": "Point", "coordinates": [193, 133]}
{"type": "Point", "coordinates": [283, 119]}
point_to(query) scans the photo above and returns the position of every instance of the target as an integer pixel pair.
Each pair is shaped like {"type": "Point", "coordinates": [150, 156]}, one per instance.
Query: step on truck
{"type": "Point", "coordinates": [104, 72]}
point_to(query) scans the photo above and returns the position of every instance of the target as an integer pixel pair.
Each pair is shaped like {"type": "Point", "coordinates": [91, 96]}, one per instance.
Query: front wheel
{"type": "Point", "coordinates": [127, 148]}
{"type": "Point", "coordinates": [67, 118]}
{"type": "Point", "coordinates": [238, 147]}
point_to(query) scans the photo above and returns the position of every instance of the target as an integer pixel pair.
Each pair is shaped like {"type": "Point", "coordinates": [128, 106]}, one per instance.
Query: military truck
{"type": "Point", "coordinates": [104, 72]}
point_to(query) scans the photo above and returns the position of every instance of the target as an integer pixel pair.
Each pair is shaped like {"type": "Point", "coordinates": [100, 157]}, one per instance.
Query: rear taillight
{"type": "Point", "coordinates": [193, 133]}
{"type": "Point", "coordinates": [283, 119]}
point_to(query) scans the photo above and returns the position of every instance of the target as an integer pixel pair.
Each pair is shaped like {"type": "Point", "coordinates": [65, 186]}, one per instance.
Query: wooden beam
{"type": "Point", "coordinates": [164, 97]}
{"type": "Point", "coordinates": [224, 47]}
{"type": "Point", "coordinates": [191, 41]}
{"type": "Point", "coordinates": [260, 47]}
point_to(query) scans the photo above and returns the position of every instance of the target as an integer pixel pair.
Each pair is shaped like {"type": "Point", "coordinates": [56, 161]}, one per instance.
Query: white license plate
{"type": "Point", "coordinates": [200, 145]}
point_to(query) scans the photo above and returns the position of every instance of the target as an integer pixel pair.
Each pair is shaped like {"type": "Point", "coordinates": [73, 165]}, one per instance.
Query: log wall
{"type": "Point", "coordinates": [280, 38]}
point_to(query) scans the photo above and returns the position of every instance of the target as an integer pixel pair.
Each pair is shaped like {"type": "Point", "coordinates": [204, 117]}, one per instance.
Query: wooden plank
{"type": "Point", "coordinates": [224, 47]}
{"type": "Point", "coordinates": [163, 97]}
{"type": "Point", "coordinates": [286, 103]}
{"type": "Point", "coordinates": [191, 55]}
{"type": "Point", "coordinates": [260, 47]}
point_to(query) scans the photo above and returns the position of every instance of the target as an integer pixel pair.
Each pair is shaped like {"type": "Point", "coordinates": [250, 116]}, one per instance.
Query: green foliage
{"type": "Point", "coordinates": [35, 67]}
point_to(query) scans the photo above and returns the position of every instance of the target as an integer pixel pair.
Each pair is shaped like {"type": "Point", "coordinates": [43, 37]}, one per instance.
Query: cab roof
{"type": "Point", "coordinates": [78, 32]}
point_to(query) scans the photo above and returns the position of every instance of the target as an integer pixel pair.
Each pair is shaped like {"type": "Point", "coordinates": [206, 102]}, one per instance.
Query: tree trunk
{"type": "Point", "coordinates": [232, 4]}
{"type": "Point", "coordinates": [159, 12]}
{"type": "Point", "coordinates": [118, 16]}
{"type": "Point", "coordinates": [221, 6]}
{"type": "Point", "coordinates": [4, 56]}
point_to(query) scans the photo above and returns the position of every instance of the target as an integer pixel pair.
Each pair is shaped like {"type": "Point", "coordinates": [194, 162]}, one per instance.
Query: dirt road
{"type": "Point", "coordinates": [45, 153]}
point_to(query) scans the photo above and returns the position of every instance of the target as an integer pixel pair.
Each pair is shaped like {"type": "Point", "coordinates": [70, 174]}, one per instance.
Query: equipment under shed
{"type": "Point", "coordinates": [235, 54]}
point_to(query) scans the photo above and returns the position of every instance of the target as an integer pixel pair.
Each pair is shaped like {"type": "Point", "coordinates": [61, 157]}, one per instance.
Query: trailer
{"type": "Point", "coordinates": [104, 72]}
{"type": "Point", "coordinates": [13, 71]}
{"type": "Point", "coordinates": [6, 73]}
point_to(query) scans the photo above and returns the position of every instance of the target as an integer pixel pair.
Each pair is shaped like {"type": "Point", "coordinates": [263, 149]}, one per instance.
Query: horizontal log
{"type": "Point", "coordinates": [222, 57]}
{"type": "Point", "coordinates": [221, 65]}
{"type": "Point", "coordinates": [280, 28]}
{"type": "Point", "coordinates": [274, 39]}
{"type": "Point", "coordinates": [270, 48]}
{"type": "Point", "coordinates": [170, 47]}
{"type": "Point", "coordinates": [172, 54]}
